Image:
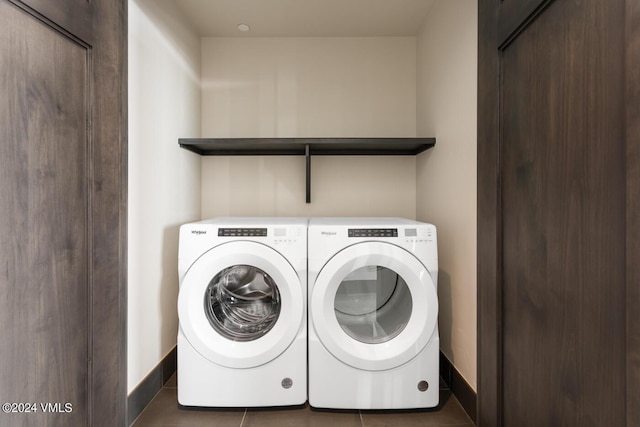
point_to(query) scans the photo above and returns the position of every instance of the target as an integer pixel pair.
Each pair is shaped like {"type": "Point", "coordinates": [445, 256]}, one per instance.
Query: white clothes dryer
{"type": "Point", "coordinates": [373, 313]}
{"type": "Point", "coordinates": [242, 338]}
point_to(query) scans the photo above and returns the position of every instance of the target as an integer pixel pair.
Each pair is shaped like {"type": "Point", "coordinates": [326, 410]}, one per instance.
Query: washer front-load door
{"type": "Point", "coordinates": [374, 306]}
{"type": "Point", "coordinates": [240, 304]}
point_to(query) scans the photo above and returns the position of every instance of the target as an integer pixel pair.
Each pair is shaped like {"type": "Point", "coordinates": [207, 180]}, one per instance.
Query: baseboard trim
{"type": "Point", "coordinates": [459, 387]}
{"type": "Point", "coordinates": [142, 395]}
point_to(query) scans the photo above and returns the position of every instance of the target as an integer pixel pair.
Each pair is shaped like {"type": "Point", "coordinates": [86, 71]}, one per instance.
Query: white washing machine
{"type": "Point", "coordinates": [242, 338]}
{"type": "Point", "coordinates": [373, 312]}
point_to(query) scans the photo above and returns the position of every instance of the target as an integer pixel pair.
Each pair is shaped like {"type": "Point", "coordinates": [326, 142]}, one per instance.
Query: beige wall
{"type": "Point", "coordinates": [309, 87]}
{"type": "Point", "coordinates": [446, 175]}
{"type": "Point", "coordinates": [164, 180]}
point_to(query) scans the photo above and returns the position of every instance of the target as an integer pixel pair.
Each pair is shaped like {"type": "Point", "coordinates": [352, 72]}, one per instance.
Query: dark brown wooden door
{"type": "Point", "coordinates": [558, 180]}
{"type": "Point", "coordinates": [62, 213]}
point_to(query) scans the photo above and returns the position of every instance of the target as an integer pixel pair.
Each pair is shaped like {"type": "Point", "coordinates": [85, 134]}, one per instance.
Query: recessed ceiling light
{"type": "Point", "coordinates": [243, 27]}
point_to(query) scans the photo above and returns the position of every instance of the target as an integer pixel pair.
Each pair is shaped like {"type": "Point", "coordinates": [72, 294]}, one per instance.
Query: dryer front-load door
{"type": "Point", "coordinates": [240, 304]}
{"type": "Point", "coordinates": [374, 306]}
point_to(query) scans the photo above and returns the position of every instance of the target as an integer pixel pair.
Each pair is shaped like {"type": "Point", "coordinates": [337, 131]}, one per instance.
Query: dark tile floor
{"type": "Point", "coordinates": [163, 411]}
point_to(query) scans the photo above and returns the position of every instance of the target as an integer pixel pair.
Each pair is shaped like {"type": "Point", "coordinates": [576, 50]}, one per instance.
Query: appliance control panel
{"type": "Point", "coordinates": [421, 234]}
{"type": "Point", "coordinates": [242, 232]}
{"type": "Point", "coordinates": [286, 235]}
{"type": "Point", "coordinates": [283, 238]}
{"type": "Point", "coordinates": [373, 232]}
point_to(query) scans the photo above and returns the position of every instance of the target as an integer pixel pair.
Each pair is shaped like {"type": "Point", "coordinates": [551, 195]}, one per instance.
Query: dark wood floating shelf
{"type": "Point", "coordinates": [307, 147]}
{"type": "Point", "coordinates": [297, 146]}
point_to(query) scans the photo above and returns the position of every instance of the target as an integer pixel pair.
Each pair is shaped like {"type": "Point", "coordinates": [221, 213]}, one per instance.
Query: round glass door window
{"type": "Point", "coordinates": [242, 303]}
{"type": "Point", "coordinates": [373, 304]}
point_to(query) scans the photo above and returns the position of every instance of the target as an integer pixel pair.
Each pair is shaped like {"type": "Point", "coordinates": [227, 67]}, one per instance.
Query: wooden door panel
{"type": "Point", "coordinates": [632, 90]}
{"type": "Point", "coordinates": [559, 181]}
{"type": "Point", "coordinates": [43, 220]}
{"type": "Point", "coordinates": [62, 212]}
{"type": "Point", "coordinates": [563, 209]}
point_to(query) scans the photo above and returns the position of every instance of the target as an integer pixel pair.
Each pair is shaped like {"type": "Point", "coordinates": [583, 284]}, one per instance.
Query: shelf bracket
{"type": "Point", "coordinates": [307, 155]}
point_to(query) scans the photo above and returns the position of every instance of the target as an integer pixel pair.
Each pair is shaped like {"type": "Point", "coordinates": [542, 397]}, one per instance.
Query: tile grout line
{"type": "Point", "coordinates": [361, 420]}
{"type": "Point", "coordinates": [244, 414]}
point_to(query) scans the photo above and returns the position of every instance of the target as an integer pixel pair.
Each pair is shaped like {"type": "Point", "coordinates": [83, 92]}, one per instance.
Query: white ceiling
{"type": "Point", "coordinates": [306, 18]}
